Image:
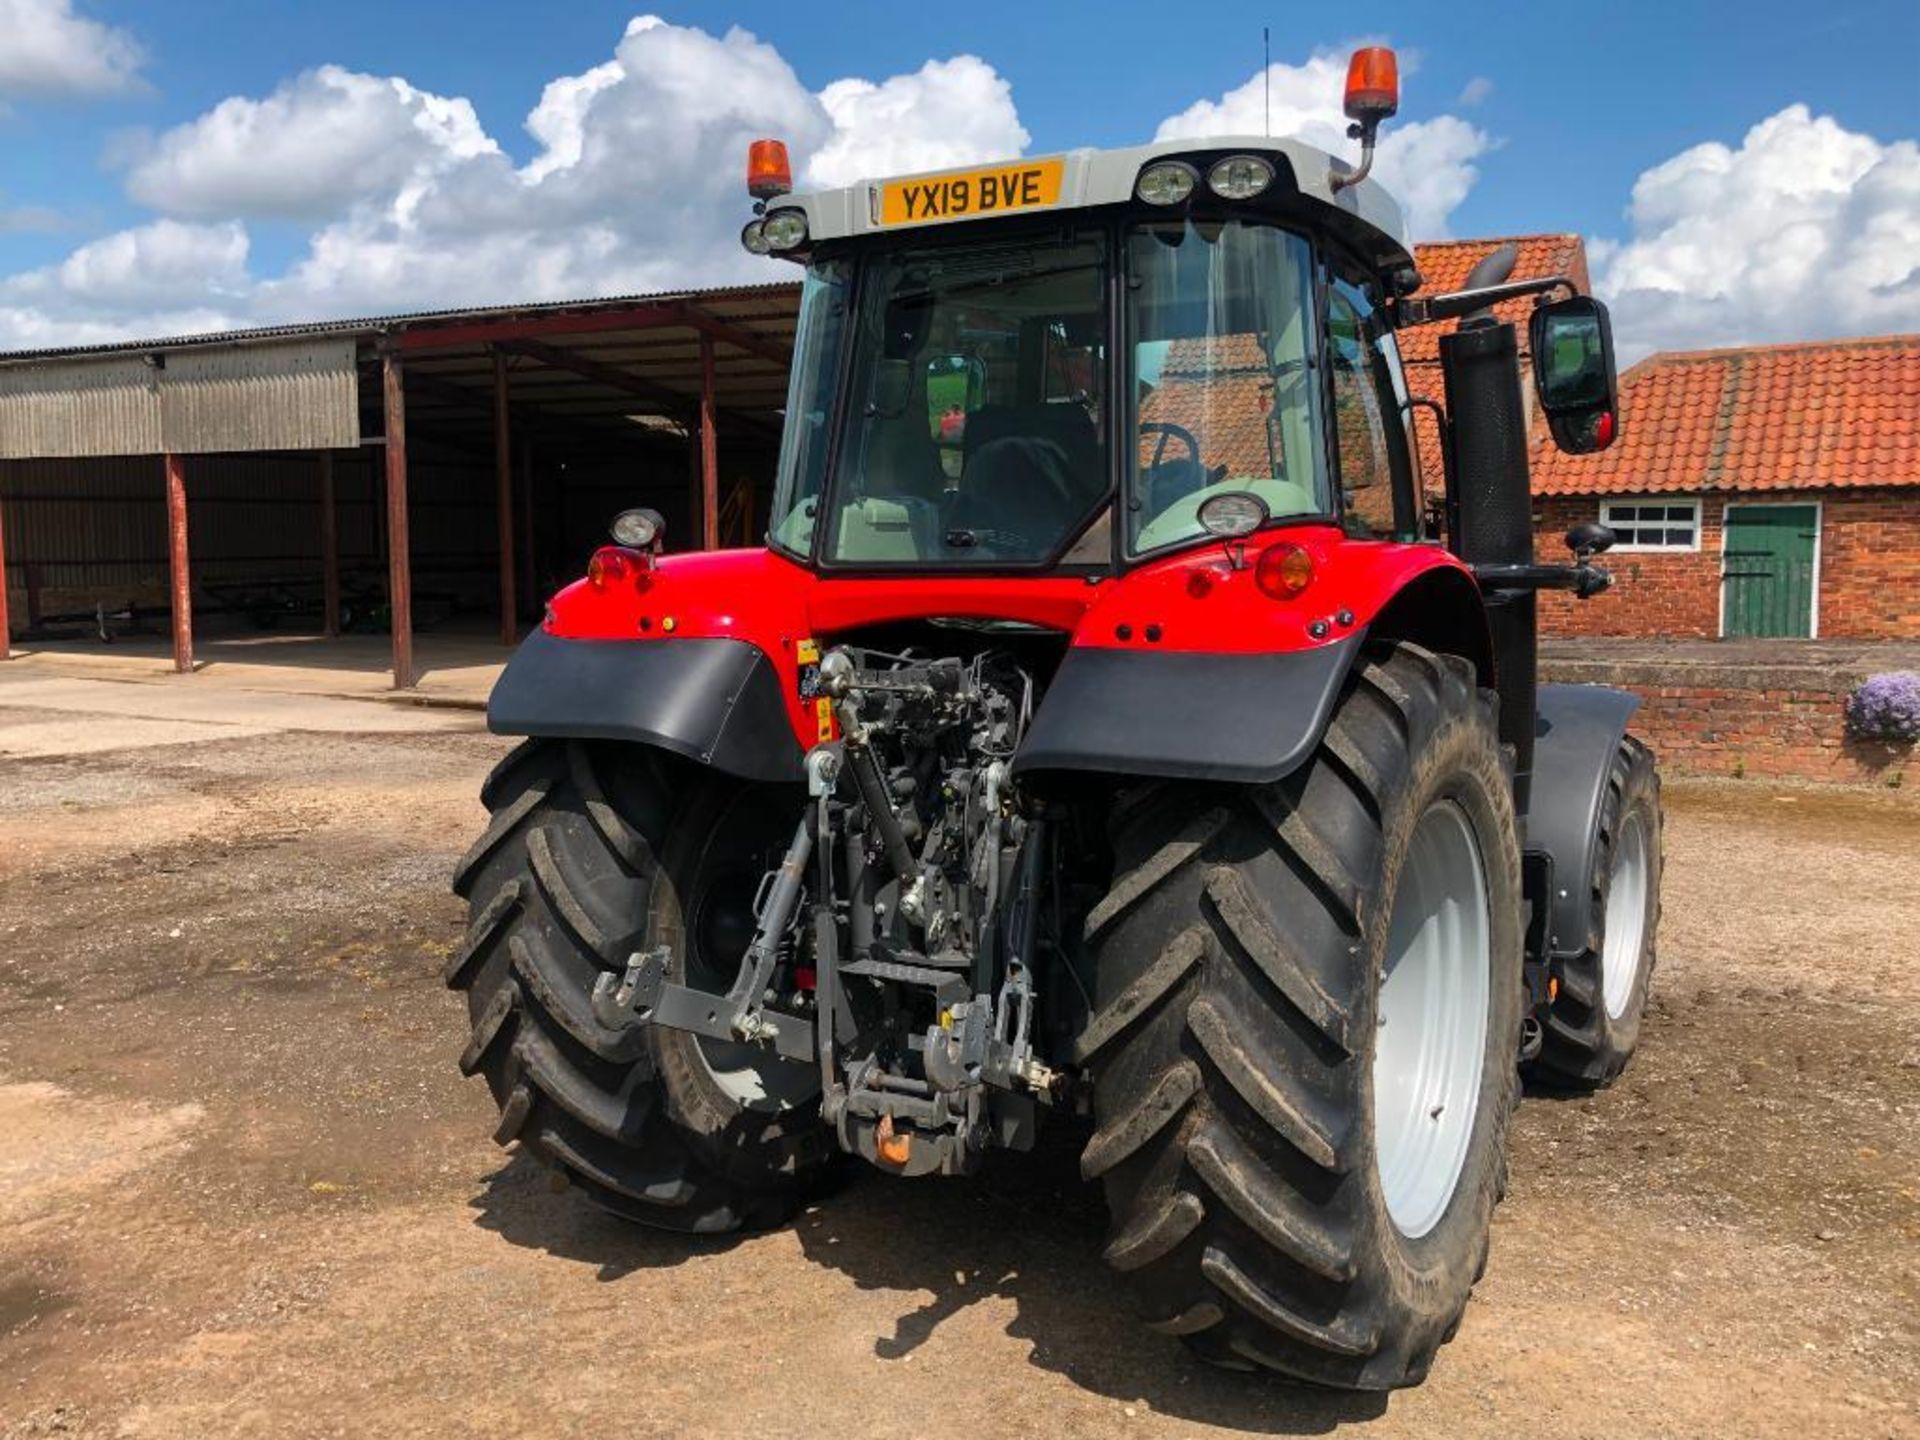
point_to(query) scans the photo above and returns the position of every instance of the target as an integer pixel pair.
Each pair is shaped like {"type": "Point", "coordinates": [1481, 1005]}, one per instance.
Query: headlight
{"type": "Point", "coordinates": [1239, 177]}
{"type": "Point", "coordinates": [1232, 514]}
{"type": "Point", "coordinates": [753, 239]}
{"type": "Point", "coordinates": [1167, 182]}
{"type": "Point", "coordinates": [784, 229]}
{"type": "Point", "coordinates": [638, 529]}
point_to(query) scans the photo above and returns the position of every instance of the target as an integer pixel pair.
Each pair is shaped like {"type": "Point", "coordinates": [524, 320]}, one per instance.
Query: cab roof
{"type": "Point", "coordinates": [1366, 215]}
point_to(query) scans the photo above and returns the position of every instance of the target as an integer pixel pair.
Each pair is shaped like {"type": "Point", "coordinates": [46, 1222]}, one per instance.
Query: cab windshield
{"type": "Point", "coordinates": [975, 426]}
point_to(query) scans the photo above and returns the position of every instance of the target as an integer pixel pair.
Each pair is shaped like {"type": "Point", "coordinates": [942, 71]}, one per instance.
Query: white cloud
{"type": "Point", "coordinates": [1475, 91]}
{"type": "Point", "coordinates": [951, 112]}
{"type": "Point", "coordinates": [638, 183]}
{"type": "Point", "coordinates": [1427, 164]}
{"type": "Point", "coordinates": [1807, 230]}
{"type": "Point", "coordinates": [47, 51]}
{"type": "Point", "coordinates": [166, 264]}
{"type": "Point", "coordinates": [317, 144]}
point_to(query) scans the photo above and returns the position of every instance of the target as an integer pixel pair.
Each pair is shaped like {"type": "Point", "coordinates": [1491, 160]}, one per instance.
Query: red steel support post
{"type": "Point", "coordinates": [709, 452]}
{"type": "Point", "coordinates": [399, 560]}
{"type": "Point", "coordinates": [177, 567]}
{"type": "Point", "coordinates": [329, 551]}
{"type": "Point", "coordinates": [503, 500]}
{"type": "Point", "coordinates": [6, 626]}
{"type": "Point", "coordinates": [527, 567]}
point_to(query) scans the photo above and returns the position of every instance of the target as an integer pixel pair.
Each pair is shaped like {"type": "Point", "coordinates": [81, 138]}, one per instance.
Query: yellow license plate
{"type": "Point", "coordinates": [997, 189]}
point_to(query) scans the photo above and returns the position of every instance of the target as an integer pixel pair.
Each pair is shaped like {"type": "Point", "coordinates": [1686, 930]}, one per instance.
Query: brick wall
{"type": "Point", "coordinates": [1774, 721]}
{"type": "Point", "coordinates": [1869, 570]}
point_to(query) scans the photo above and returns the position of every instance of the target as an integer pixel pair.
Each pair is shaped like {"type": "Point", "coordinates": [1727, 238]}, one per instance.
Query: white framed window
{"type": "Point", "coordinates": [1667, 524]}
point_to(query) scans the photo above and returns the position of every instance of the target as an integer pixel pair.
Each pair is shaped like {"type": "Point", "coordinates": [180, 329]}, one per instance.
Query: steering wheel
{"type": "Point", "coordinates": [1166, 432]}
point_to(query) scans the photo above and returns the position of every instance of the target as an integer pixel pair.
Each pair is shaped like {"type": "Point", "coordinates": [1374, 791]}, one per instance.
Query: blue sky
{"type": "Point", "coordinates": [1566, 117]}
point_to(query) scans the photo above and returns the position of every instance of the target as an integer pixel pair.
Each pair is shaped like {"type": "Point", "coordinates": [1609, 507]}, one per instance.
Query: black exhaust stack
{"type": "Point", "coordinates": [1490, 511]}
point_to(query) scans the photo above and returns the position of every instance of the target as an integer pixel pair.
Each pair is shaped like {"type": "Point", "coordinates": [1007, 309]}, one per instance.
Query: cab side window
{"type": "Point", "coordinates": [1376, 503]}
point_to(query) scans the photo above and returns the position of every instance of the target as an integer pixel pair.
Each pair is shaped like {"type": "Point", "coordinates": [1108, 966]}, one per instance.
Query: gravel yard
{"type": "Point", "coordinates": [246, 1192]}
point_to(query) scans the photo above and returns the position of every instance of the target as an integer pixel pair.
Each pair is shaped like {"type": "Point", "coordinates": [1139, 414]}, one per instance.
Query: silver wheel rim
{"type": "Point", "coordinates": [1431, 1048]}
{"type": "Point", "coordinates": [1626, 919]}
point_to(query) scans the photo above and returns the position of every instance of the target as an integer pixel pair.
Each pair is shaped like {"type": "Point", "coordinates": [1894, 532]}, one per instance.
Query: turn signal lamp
{"type": "Point", "coordinates": [1283, 571]}
{"type": "Point", "coordinates": [1373, 84]}
{"type": "Point", "coordinates": [768, 171]}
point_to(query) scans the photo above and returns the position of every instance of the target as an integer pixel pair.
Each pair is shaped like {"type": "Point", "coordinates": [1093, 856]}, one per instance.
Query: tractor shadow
{"type": "Point", "coordinates": [1025, 1230]}
{"type": "Point", "coordinates": [521, 1203]}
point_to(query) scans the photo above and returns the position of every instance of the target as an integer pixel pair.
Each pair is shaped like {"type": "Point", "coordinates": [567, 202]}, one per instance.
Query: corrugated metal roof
{"type": "Point", "coordinates": [368, 326]}
{"type": "Point", "coordinates": [300, 394]}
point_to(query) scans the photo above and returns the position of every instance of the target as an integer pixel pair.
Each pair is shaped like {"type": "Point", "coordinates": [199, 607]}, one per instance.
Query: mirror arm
{"type": "Point", "coordinates": [1425, 310]}
{"type": "Point", "coordinates": [1584, 580]}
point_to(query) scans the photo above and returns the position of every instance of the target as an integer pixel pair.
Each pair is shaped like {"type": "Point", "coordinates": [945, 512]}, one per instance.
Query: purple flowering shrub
{"type": "Point", "coordinates": [1886, 707]}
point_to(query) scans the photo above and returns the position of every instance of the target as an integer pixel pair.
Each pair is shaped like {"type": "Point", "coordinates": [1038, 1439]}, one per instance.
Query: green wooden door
{"type": "Point", "coordinates": [1769, 569]}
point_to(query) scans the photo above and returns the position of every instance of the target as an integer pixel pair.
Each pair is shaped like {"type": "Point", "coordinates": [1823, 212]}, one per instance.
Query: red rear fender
{"type": "Point", "coordinates": [1196, 602]}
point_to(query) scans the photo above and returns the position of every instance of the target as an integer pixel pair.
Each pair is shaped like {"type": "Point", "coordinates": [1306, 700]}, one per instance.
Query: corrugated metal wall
{"type": "Point", "coordinates": [87, 531]}
{"type": "Point", "coordinates": [283, 395]}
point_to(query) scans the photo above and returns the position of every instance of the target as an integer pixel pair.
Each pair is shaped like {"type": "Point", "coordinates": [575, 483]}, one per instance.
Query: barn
{"type": "Point", "coordinates": [355, 482]}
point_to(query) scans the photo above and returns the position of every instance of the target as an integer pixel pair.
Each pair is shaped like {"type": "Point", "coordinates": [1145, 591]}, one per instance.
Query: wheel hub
{"type": "Point", "coordinates": [1431, 1048]}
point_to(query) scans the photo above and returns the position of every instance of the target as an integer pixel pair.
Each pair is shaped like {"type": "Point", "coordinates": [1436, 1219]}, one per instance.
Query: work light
{"type": "Point", "coordinates": [1232, 514]}
{"type": "Point", "coordinates": [638, 529]}
{"type": "Point", "coordinates": [1239, 177]}
{"type": "Point", "coordinates": [784, 229]}
{"type": "Point", "coordinates": [1166, 183]}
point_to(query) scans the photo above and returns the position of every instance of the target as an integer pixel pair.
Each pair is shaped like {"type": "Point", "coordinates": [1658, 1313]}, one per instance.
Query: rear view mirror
{"type": "Point", "coordinates": [1573, 373]}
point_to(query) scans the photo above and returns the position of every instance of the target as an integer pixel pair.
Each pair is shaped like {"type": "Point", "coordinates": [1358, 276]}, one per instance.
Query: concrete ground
{"type": "Point", "coordinates": [244, 1191]}
{"type": "Point", "coordinates": [454, 667]}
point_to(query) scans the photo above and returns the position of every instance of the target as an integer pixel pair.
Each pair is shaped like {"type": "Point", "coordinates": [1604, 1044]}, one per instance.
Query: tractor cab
{"type": "Point", "coordinates": [1085, 361]}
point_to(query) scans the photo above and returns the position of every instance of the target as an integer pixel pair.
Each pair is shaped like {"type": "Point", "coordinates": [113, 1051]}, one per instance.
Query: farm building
{"type": "Point", "coordinates": [440, 471]}
{"type": "Point", "coordinates": [1766, 491]}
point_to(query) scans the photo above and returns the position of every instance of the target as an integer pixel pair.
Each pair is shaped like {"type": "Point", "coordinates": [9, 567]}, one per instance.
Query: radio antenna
{"type": "Point", "coordinates": [1266, 82]}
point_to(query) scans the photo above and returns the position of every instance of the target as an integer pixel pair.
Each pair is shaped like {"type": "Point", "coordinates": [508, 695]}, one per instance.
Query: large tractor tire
{"type": "Point", "coordinates": [1592, 1026]}
{"type": "Point", "coordinates": [596, 851]}
{"type": "Point", "coordinates": [1307, 1014]}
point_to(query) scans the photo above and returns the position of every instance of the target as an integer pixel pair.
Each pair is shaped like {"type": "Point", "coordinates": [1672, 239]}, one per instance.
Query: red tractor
{"type": "Point", "coordinates": [1139, 751]}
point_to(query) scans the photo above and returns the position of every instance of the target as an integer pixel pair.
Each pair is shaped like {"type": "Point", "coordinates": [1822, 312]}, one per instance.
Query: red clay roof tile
{"type": "Point", "coordinates": [1444, 265]}
{"type": "Point", "coordinates": [1821, 415]}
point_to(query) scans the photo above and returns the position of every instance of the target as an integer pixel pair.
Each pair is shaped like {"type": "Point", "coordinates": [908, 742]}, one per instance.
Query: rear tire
{"type": "Point", "coordinates": [596, 851]}
{"type": "Point", "coordinates": [1240, 956]}
{"type": "Point", "coordinates": [1592, 1027]}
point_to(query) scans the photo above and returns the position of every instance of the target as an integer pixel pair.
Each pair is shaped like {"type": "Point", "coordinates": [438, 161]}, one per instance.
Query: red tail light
{"type": "Point", "coordinates": [1283, 571]}
{"type": "Point", "coordinates": [609, 565]}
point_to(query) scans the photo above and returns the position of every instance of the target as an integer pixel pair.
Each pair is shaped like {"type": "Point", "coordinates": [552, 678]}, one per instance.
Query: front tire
{"type": "Point", "coordinates": [595, 851]}
{"type": "Point", "coordinates": [1281, 1196]}
{"type": "Point", "coordinates": [1592, 1027]}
